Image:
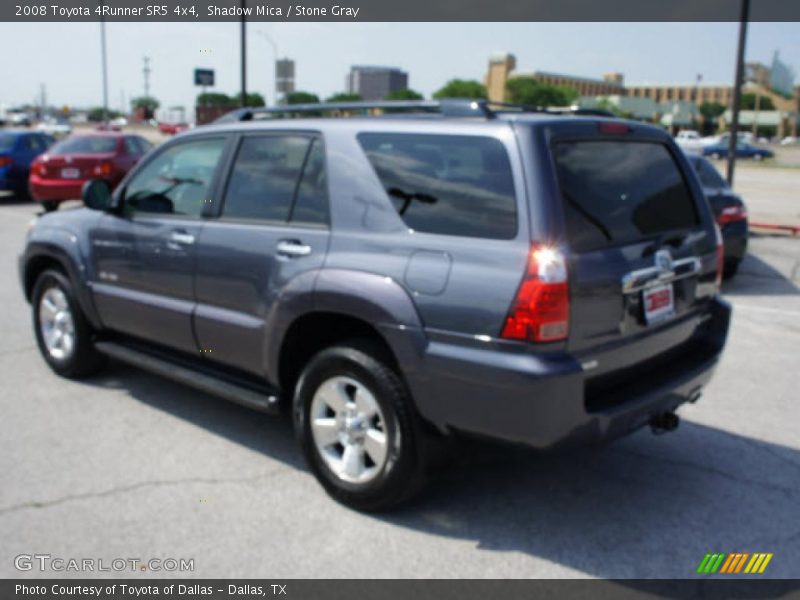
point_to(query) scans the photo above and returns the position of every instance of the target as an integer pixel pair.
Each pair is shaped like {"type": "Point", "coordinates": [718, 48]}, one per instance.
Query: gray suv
{"type": "Point", "coordinates": [396, 280]}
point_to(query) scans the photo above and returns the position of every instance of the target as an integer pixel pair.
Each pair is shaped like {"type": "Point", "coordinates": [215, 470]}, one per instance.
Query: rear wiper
{"type": "Point", "coordinates": [588, 216]}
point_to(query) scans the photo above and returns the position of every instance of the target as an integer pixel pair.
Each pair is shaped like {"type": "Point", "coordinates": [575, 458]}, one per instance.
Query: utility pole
{"type": "Point", "coordinates": [105, 68]}
{"type": "Point", "coordinates": [737, 91]}
{"type": "Point", "coordinates": [243, 37]}
{"type": "Point", "coordinates": [146, 72]}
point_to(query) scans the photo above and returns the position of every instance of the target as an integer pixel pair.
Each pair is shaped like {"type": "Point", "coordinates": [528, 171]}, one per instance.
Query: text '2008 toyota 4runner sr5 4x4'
{"type": "Point", "coordinates": [452, 267]}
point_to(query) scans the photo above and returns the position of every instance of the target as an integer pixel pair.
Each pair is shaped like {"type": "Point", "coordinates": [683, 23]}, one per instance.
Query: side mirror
{"type": "Point", "coordinates": [97, 194]}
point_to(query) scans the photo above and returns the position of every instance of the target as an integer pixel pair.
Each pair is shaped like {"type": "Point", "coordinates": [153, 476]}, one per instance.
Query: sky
{"type": "Point", "coordinates": [65, 57]}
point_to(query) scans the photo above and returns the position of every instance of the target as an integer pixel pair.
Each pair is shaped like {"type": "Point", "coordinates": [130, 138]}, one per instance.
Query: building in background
{"type": "Point", "coordinates": [781, 76]}
{"type": "Point", "coordinates": [502, 65]}
{"type": "Point", "coordinates": [672, 105]}
{"type": "Point", "coordinates": [284, 79]}
{"type": "Point", "coordinates": [375, 83]}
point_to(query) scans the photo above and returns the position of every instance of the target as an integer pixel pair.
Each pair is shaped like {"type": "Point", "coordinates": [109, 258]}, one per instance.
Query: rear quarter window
{"type": "Point", "coordinates": [446, 184]}
{"type": "Point", "coordinates": [621, 192]}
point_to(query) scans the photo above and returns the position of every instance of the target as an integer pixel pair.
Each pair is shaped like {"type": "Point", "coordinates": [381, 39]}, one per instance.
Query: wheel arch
{"type": "Point", "coordinates": [42, 256]}
{"type": "Point", "coordinates": [347, 305]}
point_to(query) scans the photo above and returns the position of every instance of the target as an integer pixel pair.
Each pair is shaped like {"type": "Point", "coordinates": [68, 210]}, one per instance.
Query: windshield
{"type": "Point", "coordinates": [7, 142]}
{"type": "Point", "coordinates": [85, 145]}
{"type": "Point", "coordinates": [709, 176]}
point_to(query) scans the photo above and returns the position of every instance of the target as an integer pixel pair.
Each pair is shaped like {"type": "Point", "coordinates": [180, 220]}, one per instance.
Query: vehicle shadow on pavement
{"type": "Point", "coordinates": [759, 278]}
{"type": "Point", "coordinates": [260, 432]}
{"type": "Point", "coordinates": [645, 506]}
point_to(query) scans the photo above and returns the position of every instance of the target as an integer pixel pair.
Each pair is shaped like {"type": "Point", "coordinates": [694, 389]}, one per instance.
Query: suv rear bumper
{"type": "Point", "coordinates": [550, 400]}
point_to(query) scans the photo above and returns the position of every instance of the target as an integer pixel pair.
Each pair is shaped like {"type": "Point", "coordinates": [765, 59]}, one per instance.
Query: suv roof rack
{"type": "Point", "coordinates": [450, 107]}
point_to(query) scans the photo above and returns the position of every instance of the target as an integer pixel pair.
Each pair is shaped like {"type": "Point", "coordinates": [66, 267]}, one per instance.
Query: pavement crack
{"type": "Point", "coordinates": [34, 504]}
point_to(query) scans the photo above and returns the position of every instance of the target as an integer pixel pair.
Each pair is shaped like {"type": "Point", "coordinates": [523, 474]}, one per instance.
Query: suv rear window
{"type": "Point", "coordinates": [620, 192]}
{"type": "Point", "coordinates": [446, 184]}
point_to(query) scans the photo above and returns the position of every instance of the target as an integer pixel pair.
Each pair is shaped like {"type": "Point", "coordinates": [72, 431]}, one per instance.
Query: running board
{"type": "Point", "coordinates": [241, 394]}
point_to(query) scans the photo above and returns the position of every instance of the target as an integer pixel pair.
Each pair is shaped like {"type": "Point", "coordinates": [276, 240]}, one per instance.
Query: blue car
{"type": "Point", "coordinates": [743, 150]}
{"type": "Point", "coordinates": [17, 151]}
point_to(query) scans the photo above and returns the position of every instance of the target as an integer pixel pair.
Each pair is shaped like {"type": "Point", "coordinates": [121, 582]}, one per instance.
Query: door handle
{"type": "Point", "coordinates": [292, 248]}
{"type": "Point", "coordinates": [187, 239]}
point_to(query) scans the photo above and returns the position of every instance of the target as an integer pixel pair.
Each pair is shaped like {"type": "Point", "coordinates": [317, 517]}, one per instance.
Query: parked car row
{"type": "Point", "coordinates": [34, 164]}
{"type": "Point", "coordinates": [717, 147]}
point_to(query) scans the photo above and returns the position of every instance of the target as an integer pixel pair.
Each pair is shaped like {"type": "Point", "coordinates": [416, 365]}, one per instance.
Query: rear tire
{"type": "Point", "coordinates": [63, 334]}
{"type": "Point", "coordinates": [50, 205]}
{"type": "Point", "coordinates": [357, 427]}
{"type": "Point", "coordinates": [730, 268]}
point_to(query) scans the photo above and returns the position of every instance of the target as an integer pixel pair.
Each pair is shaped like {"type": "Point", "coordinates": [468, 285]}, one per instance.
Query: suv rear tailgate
{"type": "Point", "coordinates": [640, 234]}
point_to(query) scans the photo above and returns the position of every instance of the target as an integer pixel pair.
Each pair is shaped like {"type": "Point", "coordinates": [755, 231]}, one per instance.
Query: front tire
{"type": "Point", "coordinates": [357, 427]}
{"type": "Point", "coordinates": [63, 334]}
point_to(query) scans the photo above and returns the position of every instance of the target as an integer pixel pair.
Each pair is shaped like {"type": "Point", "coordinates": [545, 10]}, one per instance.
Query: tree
{"type": "Point", "coordinates": [404, 94]}
{"type": "Point", "coordinates": [147, 104]}
{"type": "Point", "coordinates": [461, 88]}
{"type": "Point", "coordinates": [95, 114]}
{"type": "Point", "coordinates": [344, 97]}
{"type": "Point", "coordinates": [302, 98]}
{"type": "Point", "coordinates": [523, 90]}
{"type": "Point", "coordinates": [606, 104]}
{"type": "Point", "coordinates": [252, 100]}
{"type": "Point", "coordinates": [711, 110]}
{"type": "Point", "coordinates": [215, 99]}
{"type": "Point", "coordinates": [749, 102]}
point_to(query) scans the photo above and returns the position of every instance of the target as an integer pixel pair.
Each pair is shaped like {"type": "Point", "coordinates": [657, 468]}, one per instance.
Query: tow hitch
{"type": "Point", "coordinates": [663, 423]}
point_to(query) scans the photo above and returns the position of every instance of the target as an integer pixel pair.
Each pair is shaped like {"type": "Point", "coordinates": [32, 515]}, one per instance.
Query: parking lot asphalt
{"type": "Point", "coordinates": [128, 465]}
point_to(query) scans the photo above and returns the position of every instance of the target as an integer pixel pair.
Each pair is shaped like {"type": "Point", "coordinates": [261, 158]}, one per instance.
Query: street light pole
{"type": "Point", "coordinates": [243, 37]}
{"type": "Point", "coordinates": [737, 91]}
{"type": "Point", "coordinates": [275, 62]}
{"type": "Point", "coordinates": [105, 69]}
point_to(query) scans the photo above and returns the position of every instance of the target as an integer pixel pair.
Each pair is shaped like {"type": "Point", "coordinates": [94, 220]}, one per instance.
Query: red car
{"type": "Point", "coordinates": [60, 173]}
{"type": "Point", "coordinates": [172, 128]}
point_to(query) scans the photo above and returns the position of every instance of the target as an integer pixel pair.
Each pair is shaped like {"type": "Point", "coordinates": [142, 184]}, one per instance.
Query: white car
{"type": "Point", "coordinates": [54, 127]}
{"type": "Point", "coordinates": [790, 141]}
{"type": "Point", "coordinates": [689, 141]}
{"type": "Point", "coordinates": [19, 119]}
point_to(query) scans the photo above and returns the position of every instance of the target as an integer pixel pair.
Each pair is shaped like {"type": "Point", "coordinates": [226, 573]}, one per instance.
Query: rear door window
{"type": "Point", "coordinates": [621, 192]}
{"type": "Point", "coordinates": [446, 184]}
{"type": "Point", "coordinates": [265, 177]}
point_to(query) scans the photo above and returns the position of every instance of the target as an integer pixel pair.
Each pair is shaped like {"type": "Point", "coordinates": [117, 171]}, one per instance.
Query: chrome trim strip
{"type": "Point", "coordinates": [640, 279]}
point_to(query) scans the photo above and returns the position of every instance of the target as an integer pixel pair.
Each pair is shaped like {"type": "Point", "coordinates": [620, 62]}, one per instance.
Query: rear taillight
{"type": "Point", "coordinates": [540, 312]}
{"type": "Point", "coordinates": [40, 169]}
{"type": "Point", "coordinates": [720, 259]}
{"type": "Point", "coordinates": [104, 168]}
{"type": "Point", "coordinates": [731, 214]}
{"type": "Point", "coordinates": [5, 161]}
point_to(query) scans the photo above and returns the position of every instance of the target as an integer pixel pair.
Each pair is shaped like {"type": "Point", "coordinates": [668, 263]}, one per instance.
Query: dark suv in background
{"type": "Point", "coordinates": [445, 268]}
